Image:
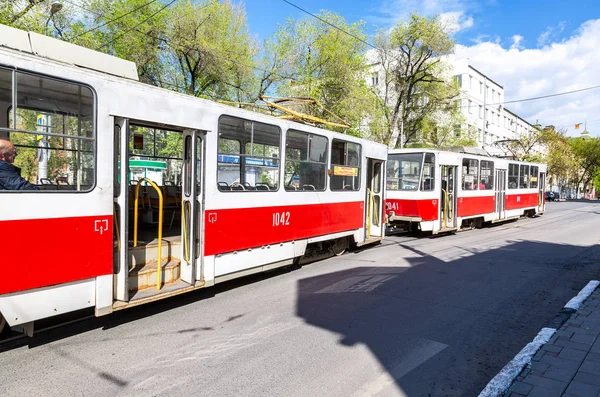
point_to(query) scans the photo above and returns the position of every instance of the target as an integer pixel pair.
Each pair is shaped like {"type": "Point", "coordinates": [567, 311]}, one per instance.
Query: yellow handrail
{"type": "Point", "coordinates": [369, 209]}
{"type": "Point", "coordinates": [185, 236]}
{"type": "Point", "coordinates": [445, 209]}
{"type": "Point", "coordinates": [160, 223]}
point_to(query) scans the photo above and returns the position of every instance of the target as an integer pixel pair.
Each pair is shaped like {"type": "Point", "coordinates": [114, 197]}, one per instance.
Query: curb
{"type": "Point", "coordinates": [502, 381]}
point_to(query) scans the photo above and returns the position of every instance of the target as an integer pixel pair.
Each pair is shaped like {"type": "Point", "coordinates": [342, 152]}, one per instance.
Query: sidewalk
{"type": "Point", "coordinates": [569, 363]}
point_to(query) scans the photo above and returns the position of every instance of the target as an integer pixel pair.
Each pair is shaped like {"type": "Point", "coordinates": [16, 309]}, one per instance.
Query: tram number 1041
{"type": "Point", "coordinates": [281, 218]}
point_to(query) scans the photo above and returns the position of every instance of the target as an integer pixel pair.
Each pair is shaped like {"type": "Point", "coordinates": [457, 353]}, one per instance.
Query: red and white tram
{"type": "Point", "coordinates": [439, 191]}
{"type": "Point", "coordinates": [236, 192]}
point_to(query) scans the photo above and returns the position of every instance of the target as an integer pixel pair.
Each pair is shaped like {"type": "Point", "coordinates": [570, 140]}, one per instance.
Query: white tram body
{"type": "Point", "coordinates": [437, 191]}
{"type": "Point", "coordinates": [253, 192]}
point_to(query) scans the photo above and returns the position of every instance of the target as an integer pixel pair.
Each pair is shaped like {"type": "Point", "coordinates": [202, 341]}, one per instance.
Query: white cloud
{"type": "Point", "coordinates": [453, 13]}
{"type": "Point", "coordinates": [550, 33]}
{"type": "Point", "coordinates": [516, 42]}
{"type": "Point", "coordinates": [455, 21]}
{"type": "Point", "coordinates": [566, 65]}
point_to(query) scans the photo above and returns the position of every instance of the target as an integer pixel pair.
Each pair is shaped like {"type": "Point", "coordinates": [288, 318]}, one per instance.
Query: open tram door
{"type": "Point", "coordinates": [500, 193]}
{"type": "Point", "coordinates": [374, 224]}
{"type": "Point", "coordinates": [192, 211]}
{"type": "Point", "coordinates": [448, 198]}
{"type": "Point", "coordinates": [541, 193]}
{"type": "Point", "coordinates": [158, 200]}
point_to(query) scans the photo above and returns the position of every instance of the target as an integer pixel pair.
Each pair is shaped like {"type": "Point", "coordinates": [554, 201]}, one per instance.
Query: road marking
{"type": "Point", "coordinates": [505, 377]}
{"type": "Point", "coordinates": [576, 301]}
{"type": "Point", "coordinates": [420, 351]}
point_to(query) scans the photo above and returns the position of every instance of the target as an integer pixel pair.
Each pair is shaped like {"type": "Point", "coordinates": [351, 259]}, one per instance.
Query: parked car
{"type": "Point", "coordinates": [552, 196]}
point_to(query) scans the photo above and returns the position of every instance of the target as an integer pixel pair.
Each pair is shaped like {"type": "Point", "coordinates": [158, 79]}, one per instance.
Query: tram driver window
{"type": "Point", "coordinates": [305, 161]}
{"type": "Point", "coordinates": [345, 164]}
{"type": "Point", "coordinates": [403, 171]}
{"type": "Point", "coordinates": [248, 155]}
{"type": "Point", "coordinates": [470, 173]}
{"type": "Point", "coordinates": [51, 123]}
{"type": "Point", "coordinates": [513, 176]}
{"type": "Point", "coordinates": [486, 177]}
{"type": "Point", "coordinates": [428, 179]}
{"type": "Point", "coordinates": [524, 177]}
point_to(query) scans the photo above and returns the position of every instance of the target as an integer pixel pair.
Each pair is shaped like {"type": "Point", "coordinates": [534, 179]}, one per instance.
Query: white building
{"type": "Point", "coordinates": [482, 103]}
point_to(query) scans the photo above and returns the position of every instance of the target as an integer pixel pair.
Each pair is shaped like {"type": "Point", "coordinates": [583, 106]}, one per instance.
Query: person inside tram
{"type": "Point", "coordinates": [482, 185]}
{"type": "Point", "coordinates": [10, 175]}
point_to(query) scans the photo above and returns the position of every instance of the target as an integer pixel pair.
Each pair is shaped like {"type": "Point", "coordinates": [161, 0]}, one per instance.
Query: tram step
{"type": "Point", "coordinates": [144, 276]}
{"type": "Point", "coordinates": [148, 253]}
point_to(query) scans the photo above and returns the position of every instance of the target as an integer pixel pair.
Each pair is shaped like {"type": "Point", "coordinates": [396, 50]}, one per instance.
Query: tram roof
{"type": "Point", "coordinates": [58, 50]}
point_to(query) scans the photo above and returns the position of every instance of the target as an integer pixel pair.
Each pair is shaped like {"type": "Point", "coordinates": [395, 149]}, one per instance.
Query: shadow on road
{"type": "Point", "coordinates": [445, 328]}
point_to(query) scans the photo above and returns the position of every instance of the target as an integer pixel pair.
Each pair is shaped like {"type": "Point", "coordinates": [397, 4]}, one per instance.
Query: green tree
{"type": "Point", "coordinates": [587, 160]}
{"type": "Point", "coordinates": [414, 85]}
{"type": "Point", "coordinates": [325, 63]}
{"type": "Point", "coordinates": [210, 50]}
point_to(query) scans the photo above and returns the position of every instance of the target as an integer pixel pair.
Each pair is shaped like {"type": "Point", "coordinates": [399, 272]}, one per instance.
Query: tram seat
{"type": "Point", "coordinates": [237, 186]}
{"type": "Point", "coordinates": [348, 187]}
{"type": "Point", "coordinates": [46, 181]}
{"type": "Point", "coordinates": [262, 186]}
{"type": "Point", "coordinates": [223, 186]}
{"type": "Point", "coordinates": [308, 187]}
{"type": "Point", "coordinates": [248, 186]}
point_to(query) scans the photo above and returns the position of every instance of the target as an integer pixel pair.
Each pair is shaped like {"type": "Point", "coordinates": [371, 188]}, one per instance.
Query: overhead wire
{"type": "Point", "coordinates": [117, 37]}
{"type": "Point", "coordinates": [112, 20]}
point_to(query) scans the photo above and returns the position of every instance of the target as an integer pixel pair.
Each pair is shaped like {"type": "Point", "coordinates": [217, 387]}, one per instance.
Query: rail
{"type": "Point", "coordinates": [160, 223]}
{"type": "Point", "coordinates": [445, 209]}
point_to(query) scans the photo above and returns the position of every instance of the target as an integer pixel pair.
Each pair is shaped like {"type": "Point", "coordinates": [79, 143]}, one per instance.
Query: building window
{"type": "Point", "coordinates": [305, 161]}
{"type": "Point", "coordinates": [375, 78]}
{"type": "Point", "coordinates": [480, 111]}
{"type": "Point", "coordinates": [499, 100]}
{"type": "Point", "coordinates": [493, 118]}
{"type": "Point", "coordinates": [480, 88]}
{"type": "Point", "coordinates": [470, 82]}
{"type": "Point", "coordinates": [470, 107]}
{"type": "Point", "coordinates": [493, 94]}
{"type": "Point", "coordinates": [459, 80]}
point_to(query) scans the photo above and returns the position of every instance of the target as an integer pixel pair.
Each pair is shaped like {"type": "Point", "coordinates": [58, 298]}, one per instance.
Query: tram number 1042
{"type": "Point", "coordinates": [281, 218]}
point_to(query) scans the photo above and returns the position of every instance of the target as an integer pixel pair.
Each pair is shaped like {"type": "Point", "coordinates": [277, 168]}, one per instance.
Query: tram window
{"type": "Point", "coordinates": [53, 128]}
{"type": "Point", "coordinates": [345, 164]}
{"type": "Point", "coordinates": [524, 177]}
{"type": "Point", "coordinates": [470, 171]}
{"type": "Point", "coordinates": [428, 179]}
{"type": "Point", "coordinates": [403, 171]}
{"type": "Point", "coordinates": [513, 176]}
{"type": "Point", "coordinates": [486, 177]}
{"type": "Point", "coordinates": [305, 161]}
{"type": "Point", "coordinates": [533, 179]}
{"type": "Point", "coordinates": [248, 155]}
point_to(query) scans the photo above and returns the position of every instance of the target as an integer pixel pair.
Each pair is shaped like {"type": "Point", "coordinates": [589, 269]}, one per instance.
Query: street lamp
{"type": "Point", "coordinates": [54, 8]}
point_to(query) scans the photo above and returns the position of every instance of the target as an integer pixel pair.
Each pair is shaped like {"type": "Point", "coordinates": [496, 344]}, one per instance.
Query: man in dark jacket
{"type": "Point", "coordinates": [10, 175]}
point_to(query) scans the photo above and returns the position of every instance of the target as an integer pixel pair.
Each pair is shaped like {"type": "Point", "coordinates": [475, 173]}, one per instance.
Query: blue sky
{"type": "Point", "coordinates": [531, 47]}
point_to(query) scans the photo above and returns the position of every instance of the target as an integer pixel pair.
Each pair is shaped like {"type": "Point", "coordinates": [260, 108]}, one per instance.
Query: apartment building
{"type": "Point", "coordinates": [482, 104]}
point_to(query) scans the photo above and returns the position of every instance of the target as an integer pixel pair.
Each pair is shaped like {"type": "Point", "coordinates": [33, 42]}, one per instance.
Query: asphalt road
{"type": "Point", "coordinates": [413, 316]}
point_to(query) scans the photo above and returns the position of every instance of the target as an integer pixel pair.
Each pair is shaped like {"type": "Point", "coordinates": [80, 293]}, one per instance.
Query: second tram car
{"type": "Point", "coordinates": [145, 193]}
{"type": "Point", "coordinates": [442, 191]}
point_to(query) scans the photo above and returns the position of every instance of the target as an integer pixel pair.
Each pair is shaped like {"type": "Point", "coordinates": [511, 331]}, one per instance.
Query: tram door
{"type": "Point", "coordinates": [542, 189]}
{"type": "Point", "coordinates": [448, 197]}
{"type": "Point", "coordinates": [193, 214]}
{"type": "Point", "coordinates": [500, 196]}
{"type": "Point", "coordinates": [374, 208]}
